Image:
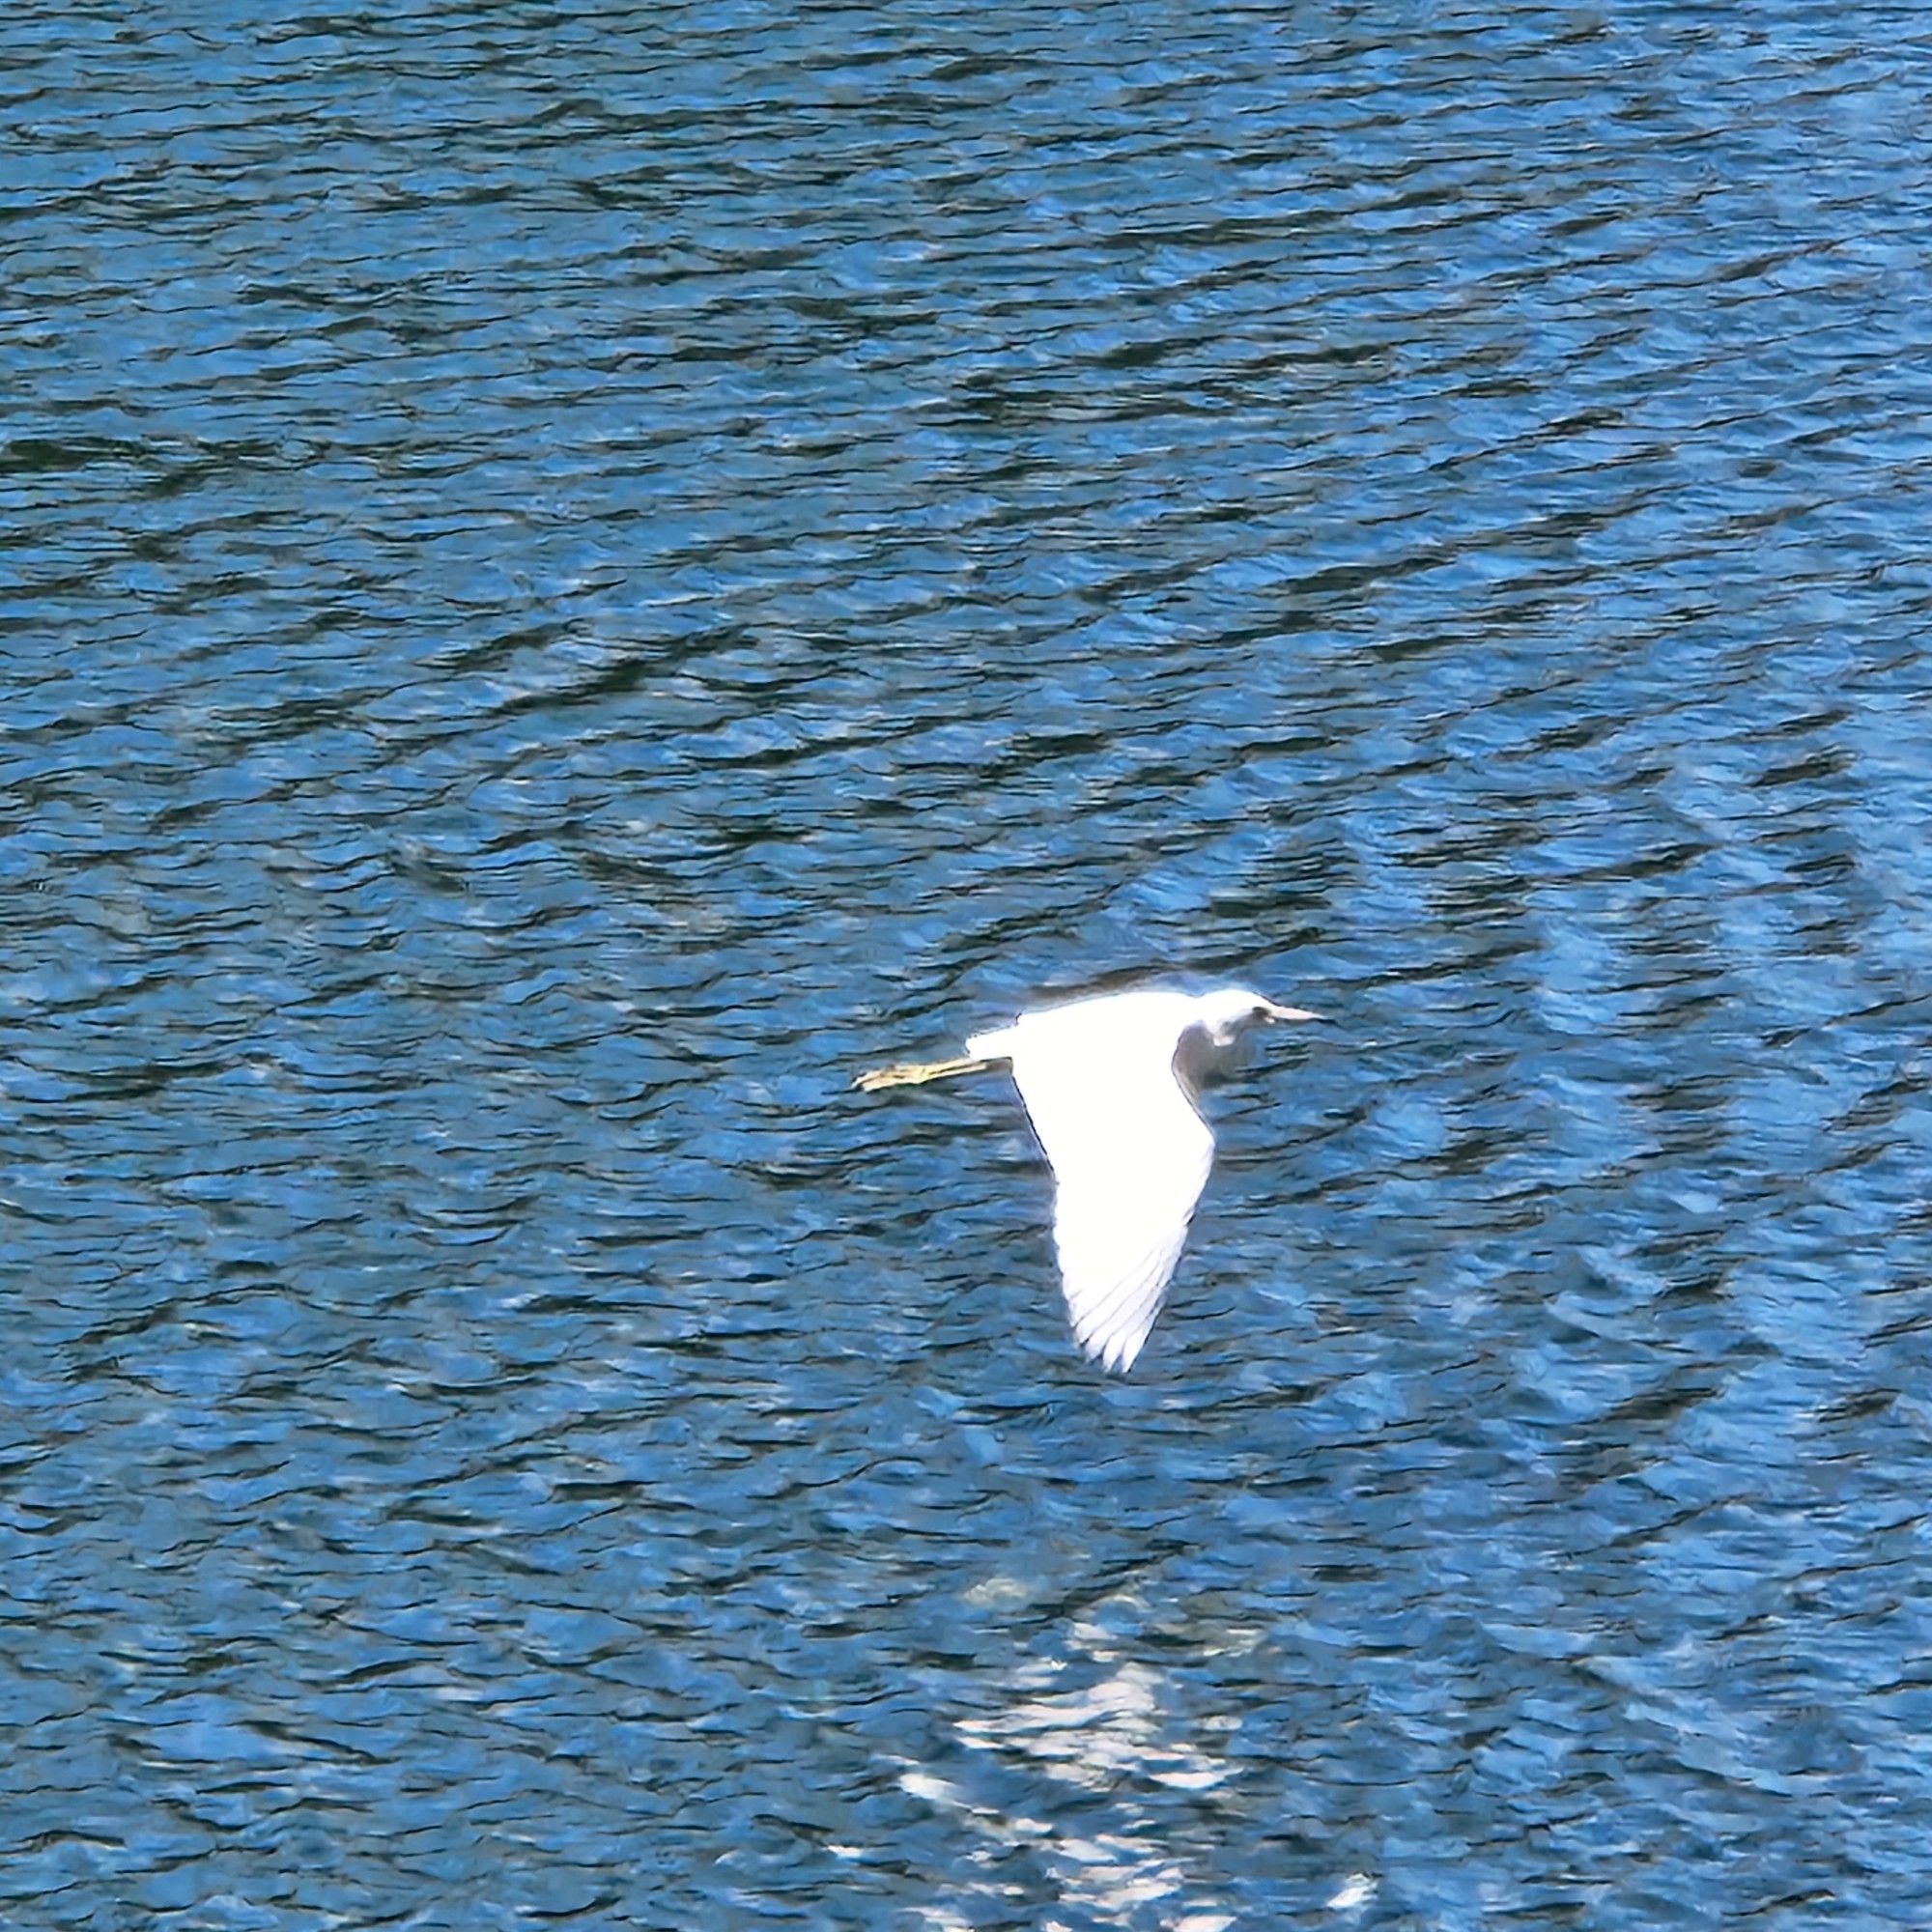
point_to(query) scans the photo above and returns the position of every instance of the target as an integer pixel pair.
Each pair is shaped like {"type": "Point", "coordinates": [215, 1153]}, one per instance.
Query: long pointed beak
{"type": "Point", "coordinates": [1275, 1012]}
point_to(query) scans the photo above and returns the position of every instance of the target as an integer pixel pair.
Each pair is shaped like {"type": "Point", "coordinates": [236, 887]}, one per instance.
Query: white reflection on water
{"type": "Point", "coordinates": [1105, 1736]}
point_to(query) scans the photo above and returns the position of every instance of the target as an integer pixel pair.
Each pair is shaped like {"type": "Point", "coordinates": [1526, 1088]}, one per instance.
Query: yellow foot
{"type": "Point", "coordinates": [911, 1073]}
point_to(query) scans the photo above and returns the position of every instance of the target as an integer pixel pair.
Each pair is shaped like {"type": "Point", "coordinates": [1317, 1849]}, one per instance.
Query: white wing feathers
{"type": "Point", "coordinates": [1130, 1157]}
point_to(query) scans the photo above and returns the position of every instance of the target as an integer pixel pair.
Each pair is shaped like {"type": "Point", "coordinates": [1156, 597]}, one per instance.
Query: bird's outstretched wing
{"type": "Point", "coordinates": [1130, 1157]}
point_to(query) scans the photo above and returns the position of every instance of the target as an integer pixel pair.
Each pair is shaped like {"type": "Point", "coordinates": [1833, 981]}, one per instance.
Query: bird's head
{"type": "Point", "coordinates": [1222, 1015]}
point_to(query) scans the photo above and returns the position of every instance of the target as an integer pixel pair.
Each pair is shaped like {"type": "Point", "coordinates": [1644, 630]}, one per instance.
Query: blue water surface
{"type": "Point", "coordinates": [569, 578]}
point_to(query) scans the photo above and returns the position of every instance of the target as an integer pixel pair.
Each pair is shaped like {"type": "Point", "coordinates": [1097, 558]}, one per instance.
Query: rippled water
{"type": "Point", "coordinates": [568, 580]}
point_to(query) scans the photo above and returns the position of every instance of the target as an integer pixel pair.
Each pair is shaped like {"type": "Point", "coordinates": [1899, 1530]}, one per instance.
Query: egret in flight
{"type": "Point", "coordinates": [1111, 1084]}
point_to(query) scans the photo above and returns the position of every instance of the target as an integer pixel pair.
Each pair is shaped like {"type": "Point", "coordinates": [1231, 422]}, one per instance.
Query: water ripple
{"type": "Point", "coordinates": [566, 582]}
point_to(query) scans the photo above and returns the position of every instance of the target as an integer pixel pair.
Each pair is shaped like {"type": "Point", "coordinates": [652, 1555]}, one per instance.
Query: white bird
{"type": "Point", "coordinates": [1110, 1085]}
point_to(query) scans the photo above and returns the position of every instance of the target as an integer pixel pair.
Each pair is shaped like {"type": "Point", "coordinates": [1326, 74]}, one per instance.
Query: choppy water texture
{"type": "Point", "coordinates": [570, 580]}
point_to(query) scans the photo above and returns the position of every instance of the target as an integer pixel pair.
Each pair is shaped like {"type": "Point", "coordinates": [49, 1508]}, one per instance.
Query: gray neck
{"type": "Point", "coordinates": [1195, 1056]}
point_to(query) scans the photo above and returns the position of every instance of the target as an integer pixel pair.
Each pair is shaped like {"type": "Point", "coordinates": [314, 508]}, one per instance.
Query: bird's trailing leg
{"type": "Point", "coordinates": [913, 1075]}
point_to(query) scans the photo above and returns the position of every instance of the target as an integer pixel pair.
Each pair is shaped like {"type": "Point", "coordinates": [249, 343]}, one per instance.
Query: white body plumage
{"type": "Point", "coordinates": [1109, 1084]}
